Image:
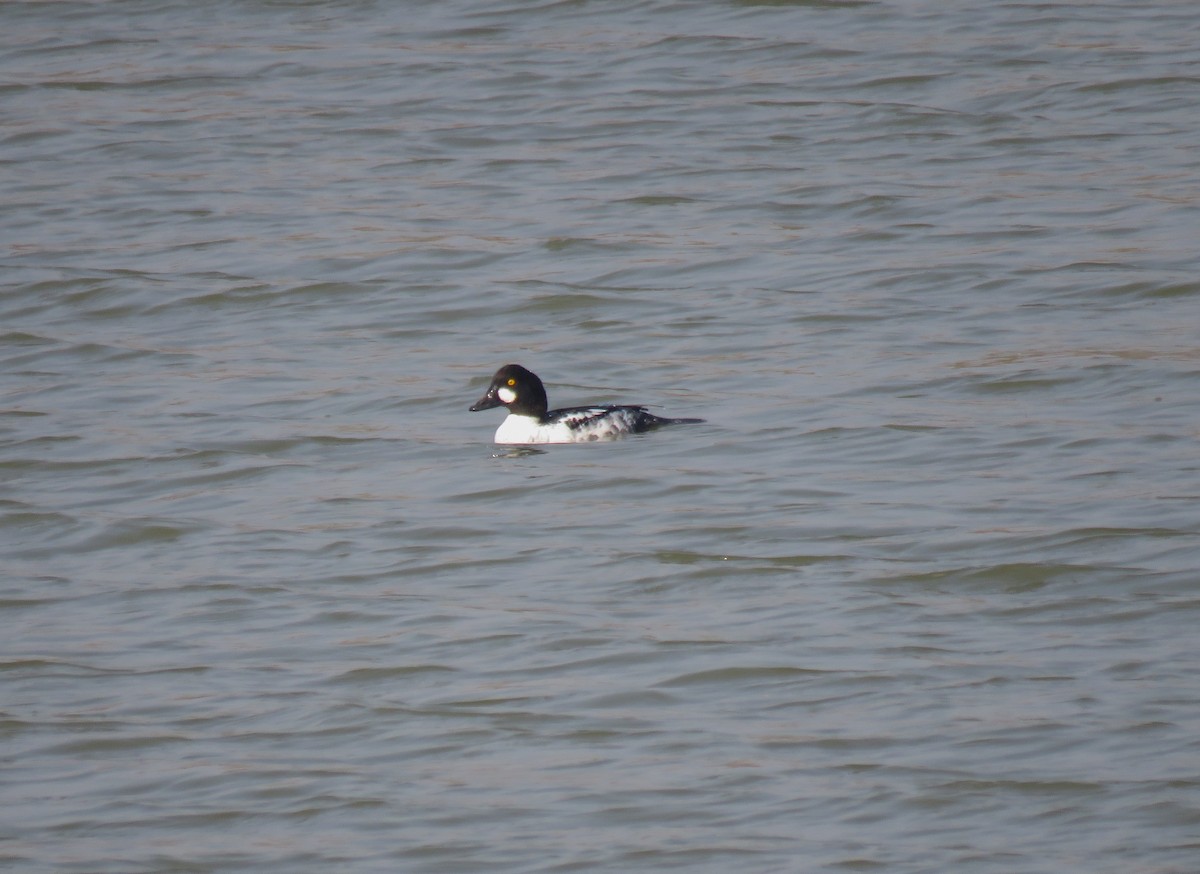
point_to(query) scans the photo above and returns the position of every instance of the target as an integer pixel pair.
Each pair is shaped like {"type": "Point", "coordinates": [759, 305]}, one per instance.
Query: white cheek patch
{"type": "Point", "coordinates": [506, 395]}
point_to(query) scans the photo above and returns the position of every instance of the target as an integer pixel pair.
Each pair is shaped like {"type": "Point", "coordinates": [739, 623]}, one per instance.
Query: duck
{"type": "Point", "coordinates": [530, 421]}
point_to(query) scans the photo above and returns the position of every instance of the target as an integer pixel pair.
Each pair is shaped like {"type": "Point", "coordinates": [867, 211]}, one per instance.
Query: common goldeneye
{"type": "Point", "coordinates": [529, 421]}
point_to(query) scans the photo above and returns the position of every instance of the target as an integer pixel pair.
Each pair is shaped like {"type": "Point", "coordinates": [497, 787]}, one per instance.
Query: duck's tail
{"type": "Point", "coordinates": [647, 421]}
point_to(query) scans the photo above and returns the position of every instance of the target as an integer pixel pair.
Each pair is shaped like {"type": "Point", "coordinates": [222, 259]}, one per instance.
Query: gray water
{"type": "Point", "coordinates": [920, 596]}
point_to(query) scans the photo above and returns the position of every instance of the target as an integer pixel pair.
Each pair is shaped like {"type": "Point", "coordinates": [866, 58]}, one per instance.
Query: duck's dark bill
{"type": "Point", "coordinates": [486, 402]}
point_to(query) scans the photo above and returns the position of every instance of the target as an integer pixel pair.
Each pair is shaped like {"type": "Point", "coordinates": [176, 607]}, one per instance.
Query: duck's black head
{"type": "Point", "coordinates": [516, 388]}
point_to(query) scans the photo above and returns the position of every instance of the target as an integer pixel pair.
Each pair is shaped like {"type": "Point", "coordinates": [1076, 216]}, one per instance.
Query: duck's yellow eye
{"type": "Point", "coordinates": [512, 382]}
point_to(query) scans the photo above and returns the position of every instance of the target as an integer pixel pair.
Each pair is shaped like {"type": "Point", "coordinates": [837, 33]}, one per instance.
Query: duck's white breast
{"type": "Point", "coordinates": [527, 429]}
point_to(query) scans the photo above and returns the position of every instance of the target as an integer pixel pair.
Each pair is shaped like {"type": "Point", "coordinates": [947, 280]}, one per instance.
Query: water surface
{"type": "Point", "coordinates": [920, 596]}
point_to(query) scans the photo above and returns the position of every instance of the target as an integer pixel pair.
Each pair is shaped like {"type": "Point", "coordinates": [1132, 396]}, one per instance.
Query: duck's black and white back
{"type": "Point", "coordinates": [530, 421]}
